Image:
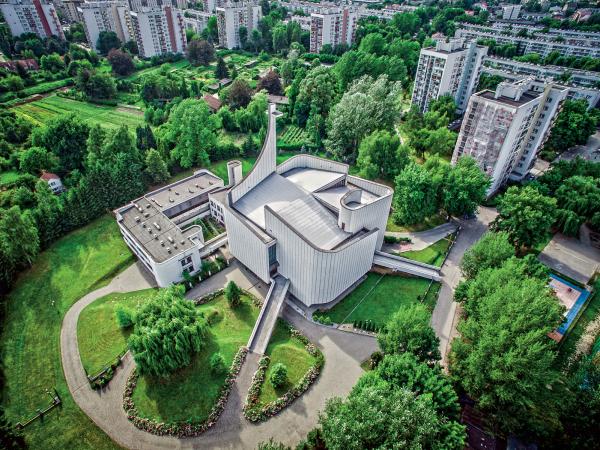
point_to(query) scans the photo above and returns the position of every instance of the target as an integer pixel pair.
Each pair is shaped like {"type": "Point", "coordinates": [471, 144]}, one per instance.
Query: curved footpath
{"type": "Point", "coordinates": [343, 354]}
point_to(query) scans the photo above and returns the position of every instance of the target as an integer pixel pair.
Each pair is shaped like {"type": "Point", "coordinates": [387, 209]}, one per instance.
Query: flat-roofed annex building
{"type": "Point", "coordinates": [307, 220]}
{"type": "Point", "coordinates": [159, 229]}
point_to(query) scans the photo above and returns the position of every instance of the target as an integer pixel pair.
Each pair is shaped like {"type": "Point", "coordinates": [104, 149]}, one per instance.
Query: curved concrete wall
{"type": "Point", "coordinates": [311, 162]}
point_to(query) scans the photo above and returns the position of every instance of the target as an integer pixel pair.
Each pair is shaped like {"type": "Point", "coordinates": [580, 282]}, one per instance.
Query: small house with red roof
{"type": "Point", "coordinates": [53, 181]}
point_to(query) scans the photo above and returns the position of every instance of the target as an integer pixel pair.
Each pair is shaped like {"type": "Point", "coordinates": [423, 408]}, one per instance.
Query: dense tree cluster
{"type": "Point", "coordinates": [168, 331]}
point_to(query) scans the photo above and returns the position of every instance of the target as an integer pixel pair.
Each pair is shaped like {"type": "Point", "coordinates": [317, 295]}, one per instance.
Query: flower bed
{"type": "Point", "coordinates": [101, 379]}
{"type": "Point", "coordinates": [256, 412]}
{"type": "Point", "coordinates": [182, 429]}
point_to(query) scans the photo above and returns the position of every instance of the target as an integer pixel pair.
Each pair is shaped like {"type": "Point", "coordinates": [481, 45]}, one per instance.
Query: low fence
{"type": "Point", "coordinates": [40, 413]}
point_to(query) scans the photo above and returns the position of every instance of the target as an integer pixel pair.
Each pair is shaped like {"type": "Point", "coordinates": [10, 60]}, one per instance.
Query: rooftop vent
{"type": "Point", "coordinates": [168, 249]}
{"type": "Point", "coordinates": [137, 218]}
{"type": "Point", "coordinates": [139, 208]}
{"type": "Point", "coordinates": [190, 190]}
{"type": "Point", "coordinates": [162, 243]}
{"type": "Point", "coordinates": [143, 224]}
{"type": "Point", "coordinates": [171, 240]}
{"type": "Point", "coordinates": [171, 200]}
{"type": "Point", "coordinates": [156, 237]}
{"type": "Point", "coordinates": [146, 214]}
{"type": "Point", "coordinates": [182, 242]}
{"type": "Point", "coordinates": [197, 185]}
{"type": "Point", "coordinates": [157, 226]}
{"type": "Point", "coordinates": [175, 246]}
{"type": "Point", "coordinates": [176, 193]}
{"type": "Point", "coordinates": [148, 206]}
{"type": "Point", "coordinates": [150, 230]}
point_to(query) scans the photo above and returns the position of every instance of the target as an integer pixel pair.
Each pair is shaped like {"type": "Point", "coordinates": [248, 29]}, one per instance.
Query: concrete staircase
{"type": "Point", "coordinates": [265, 324]}
{"type": "Point", "coordinates": [405, 265]}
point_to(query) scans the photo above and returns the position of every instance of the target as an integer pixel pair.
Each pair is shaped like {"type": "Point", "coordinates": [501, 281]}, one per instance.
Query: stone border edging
{"type": "Point", "coordinates": [250, 409]}
{"type": "Point", "coordinates": [182, 429]}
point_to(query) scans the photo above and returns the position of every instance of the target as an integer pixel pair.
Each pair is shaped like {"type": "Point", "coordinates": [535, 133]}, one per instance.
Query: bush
{"type": "Point", "coordinates": [217, 364]}
{"type": "Point", "coordinates": [233, 294]}
{"type": "Point", "coordinates": [124, 317]}
{"type": "Point", "coordinates": [279, 375]}
{"type": "Point", "coordinates": [325, 320]}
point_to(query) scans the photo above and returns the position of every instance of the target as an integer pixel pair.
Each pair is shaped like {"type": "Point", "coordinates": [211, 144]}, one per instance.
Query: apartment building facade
{"type": "Point", "coordinates": [159, 30]}
{"type": "Point", "coordinates": [32, 16]}
{"type": "Point", "coordinates": [196, 20]}
{"type": "Point", "coordinates": [333, 26]}
{"type": "Point", "coordinates": [233, 15]}
{"type": "Point", "coordinates": [503, 130]}
{"type": "Point", "coordinates": [449, 68]}
{"type": "Point", "coordinates": [138, 5]}
{"type": "Point", "coordinates": [102, 16]}
{"type": "Point", "coordinates": [578, 47]}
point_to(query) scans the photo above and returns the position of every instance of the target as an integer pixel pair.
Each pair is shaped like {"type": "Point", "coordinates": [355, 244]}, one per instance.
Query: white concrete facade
{"type": "Point", "coordinates": [32, 16]}
{"type": "Point", "coordinates": [451, 68]}
{"type": "Point", "coordinates": [138, 5]}
{"type": "Point", "coordinates": [504, 130]}
{"type": "Point", "coordinates": [231, 16]}
{"type": "Point", "coordinates": [333, 26]}
{"type": "Point", "coordinates": [159, 30]}
{"type": "Point", "coordinates": [306, 219]}
{"type": "Point", "coordinates": [102, 16]}
{"type": "Point", "coordinates": [196, 20]}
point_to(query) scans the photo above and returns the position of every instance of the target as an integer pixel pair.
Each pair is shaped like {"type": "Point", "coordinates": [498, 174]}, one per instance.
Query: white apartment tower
{"type": "Point", "coordinates": [31, 16]}
{"type": "Point", "coordinates": [196, 20]}
{"type": "Point", "coordinates": [233, 15]}
{"type": "Point", "coordinates": [158, 31]}
{"type": "Point", "coordinates": [332, 26]}
{"type": "Point", "coordinates": [503, 130]}
{"type": "Point", "coordinates": [138, 5]}
{"type": "Point", "coordinates": [451, 68]}
{"type": "Point", "coordinates": [102, 16]}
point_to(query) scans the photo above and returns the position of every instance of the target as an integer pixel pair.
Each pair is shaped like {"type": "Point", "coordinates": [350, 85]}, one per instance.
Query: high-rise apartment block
{"type": "Point", "coordinates": [503, 130]}
{"type": "Point", "coordinates": [102, 16]}
{"type": "Point", "coordinates": [158, 31]}
{"type": "Point", "coordinates": [233, 15]}
{"type": "Point", "coordinates": [71, 9]}
{"type": "Point", "coordinates": [31, 16]}
{"type": "Point", "coordinates": [451, 68]}
{"type": "Point", "coordinates": [196, 20]}
{"type": "Point", "coordinates": [138, 5]}
{"type": "Point", "coordinates": [333, 26]}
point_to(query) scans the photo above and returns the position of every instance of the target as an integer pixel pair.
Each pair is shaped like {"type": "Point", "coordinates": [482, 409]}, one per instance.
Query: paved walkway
{"type": "Point", "coordinates": [445, 313]}
{"type": "Point", "coordinates": [343, 354]}
{"type": "Point", "coordinates": [420, 239]}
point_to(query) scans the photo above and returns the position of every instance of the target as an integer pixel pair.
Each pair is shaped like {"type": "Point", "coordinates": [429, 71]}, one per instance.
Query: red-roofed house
{"type": "Point", "coordinates": [213, 102]}
{"type": "Point", "coordinates": [53, 181]}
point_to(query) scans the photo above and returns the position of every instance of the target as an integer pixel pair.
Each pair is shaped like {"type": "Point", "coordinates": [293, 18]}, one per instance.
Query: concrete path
{"type": "Point", "coordinates": [420, 239]}
{"type": "Point", "coordinates": [343, 354]}
{"type": "Point", "coordinates": [445, 313]}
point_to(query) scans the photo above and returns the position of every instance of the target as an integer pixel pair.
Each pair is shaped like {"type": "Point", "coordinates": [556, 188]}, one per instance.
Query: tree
{"type": "Point", "coordinates": [280, 38]}
{"type": "Point", "coordinates": [368, 105]}
{"type": "Point", "coordinates": [121, 62]}
{"type": "Point", "coordinates": [96, 85]}
{"type": "Point", "coordinates": [217, 364]}
{"type": "Point", "coordinates": [124, 316]}
{"type": "Point", "coordinates": [489, 252]}
{"type": "Point", "coordinates": [408, 330]}
{"type": "Point", "coordinates": [272, 445]}
{"type": "Point", "coordinates": [317, 92]}
{"type": "Point", "coordinates": [270, 83]}
{"type": "Point", "coordinates": [233, 294]}
{"type": "Point", "coordinates": [279, 375]}
{"type": "Point", "coordinates": [372, 43]}
{"type": "Point", "coordinates": [573, 126]}
{"type": "Point", "coordinates": [200, 52]}
{"type": "Point", "coordinates": [243, 33]}
{"type": "Point", "coordinates": [48, 214]}
{"type": "Point", "coordinates": [414, 196]}
{"type": "Point", "coordinates": [66, 137]}
{"type": "Point", "coordinates": [52, 63]}
{"type": "Point", "coordinates": [36, 159]}
{"type": "Point", "coordinates": [19, 242]}
{"type": "Point", "coordinates": [156, 168]}
{"type": "Point", "coordinates": [191, 133]}
{"type": "Point", "coordinates": [379, 417]}
{"type": "Point", "coordinates": [221, 69]}
{"type": "Point", "coordinates": [168, 331]}
{"type": "Point", "coordinates": [464, 188]}
{"type": "Point", "coordinates": [525, 214]}
{"type": "Point", "coordinates": [239, 94]}
{"type": "Point", "coordinates": [441, 141]}
{"type": "Point", "coordinates": [380, 155]}
{"type": "Point", "coordinates": [503, 357]}
{"type": "Point", "coordinates": [107, 40]}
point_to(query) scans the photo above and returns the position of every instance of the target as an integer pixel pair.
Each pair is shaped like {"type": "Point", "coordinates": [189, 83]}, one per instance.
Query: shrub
{"type": "Point", "coordinates": [278, 375]}
{"type": "Point", "coordinates": [217, 364]}
{"type": "Point", "coordinates": [233, 294]}
{"type": "Point", "coordinates": [124, 317]}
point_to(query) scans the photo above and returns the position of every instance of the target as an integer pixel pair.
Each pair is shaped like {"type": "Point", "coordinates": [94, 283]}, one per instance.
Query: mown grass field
{"type": "Point", "coordinates": [285, 349]}
{"type": "Point", "coordinates": [99, 337]}
{"type": "Point", "coordinates": [190, 393]}
{"type": "Point", "coordinates": [30, 345]}
{"type": "Point", "coordinates": [427, 224]}
{"type": "Point", "coordinates": [41, 111]}
{"type": "Point", "coordinates": [377, 298]}
{"type": "Point", "coordinates": [434, 254]}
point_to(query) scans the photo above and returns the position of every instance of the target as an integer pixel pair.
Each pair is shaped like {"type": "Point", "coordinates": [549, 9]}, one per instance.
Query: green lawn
{"type": "Point", "coordinates": [284, 349]}
{"type": "Point", "coordinates": [42, 111]}
{"type": "Point", "coordinates": [99, 337]}
{"type": "Point", "coordinates": [434, 254]}
{"type": "Point", "coordinates": [428, 224]}
{"type": "Point", "coordinates": [191, 392]}
{"type": "Point", "coordinates": [76, 264]}
{"type": "Point", "coordinates": [377, 298]}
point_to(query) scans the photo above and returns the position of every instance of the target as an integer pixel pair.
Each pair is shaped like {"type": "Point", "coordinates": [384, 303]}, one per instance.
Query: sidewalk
{"type": "Point", "coordinates": [420, 239]}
